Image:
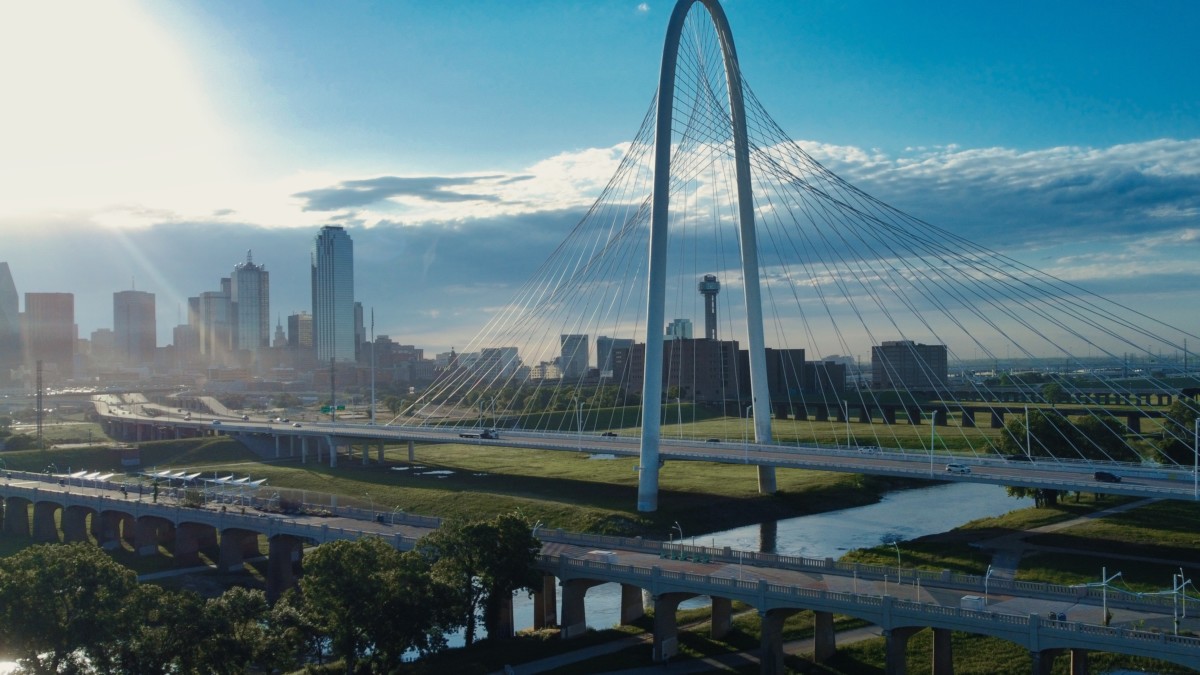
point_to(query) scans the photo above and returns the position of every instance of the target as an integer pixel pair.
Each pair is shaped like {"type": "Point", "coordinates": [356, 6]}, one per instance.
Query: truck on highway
{"type": "Point", "coordinates": [490, 434]}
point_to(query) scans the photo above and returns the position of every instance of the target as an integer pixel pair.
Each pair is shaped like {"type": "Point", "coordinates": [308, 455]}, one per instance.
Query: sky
{"type": "Point", "coordinates": [151, 145]}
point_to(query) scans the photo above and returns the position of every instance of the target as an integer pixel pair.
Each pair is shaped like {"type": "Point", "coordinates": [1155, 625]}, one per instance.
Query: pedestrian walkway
{"type": "Point", "coordinates": [1008, 549]}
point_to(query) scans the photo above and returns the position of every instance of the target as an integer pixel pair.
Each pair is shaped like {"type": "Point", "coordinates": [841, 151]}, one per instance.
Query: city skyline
{"type": "Point", "coordinates": [1036, 140]}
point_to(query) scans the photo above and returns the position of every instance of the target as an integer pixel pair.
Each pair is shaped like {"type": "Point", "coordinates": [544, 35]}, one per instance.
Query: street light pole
{"type": "Point", "coordinates": [898, 564]}
{"type": "Point", "coordinates": [1196, 458]}
{"type": "Point", "coordinates": [932, 438]}
{"type": "Point", "coordinates": [985, 585]}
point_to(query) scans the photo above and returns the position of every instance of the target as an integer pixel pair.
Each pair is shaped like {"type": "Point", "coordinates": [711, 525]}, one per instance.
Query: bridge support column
{"type": "Point", "coordinates": [666, 628]}
{"type": "Point", "coordinates": [914, 416]}
{"type": "Point", "coordinates": [280, 576]}
{"type": "Point", "coordinates": [824, 637]}
{"type": "Point", "coordinates": [332, 453]}
{"type": "Point", "coordinates": [631, 604]}
{"type": "Point", "coordinates": [822, 413]}
{"type": "Point", "coordinates": [16, 516]}
{"type": "Point", "coordinates": [801, 413]}
{"type": "Point", "coordinates": [722, 618]}
{"type": "Point", "coordinates": [770, 656]}
{"type": "Point", "coordinates": [278, 454]}
{"type": "Point", "coordinates": [895, 648]}
{"type": "Point", "coordinates": [304, 449]}
{"type": "Point", "coordinates": [150, 532]}
{"type": "Point", "coordinates": [44, 528]}
{"type": "Point", "coordinates": [502, 627]}
{"type": "Point", "coordinates": [997, 420]}
{"type": "Point", "coordinates": [1134, 422]}
{"type": "Point", "coordinates": [943, 656]}
{"type": "Point", "coordinates": [766, 480]}
{"type": "Point", "coordinates": [968, 418]}
{"type": "Point", "coordinates": [412, 455]}
{"type": "Point", "coordinates": [1041, 662]}
{"type": "Point", "coordinates": [781, 411]}
{"type": "Point", "coordinates": [545, 604]}
{"type": "Point", "coordinates": [889, 414]}
{"type": "Point", "coordinates": [379, 452]}
{"type": "Point", "coordinates": [74, 524]}
{"type": "Point", "coordinates": [110, 529]}
{"type": "Point", "coordinates": [1079, 662]}
{"type": "Point", "coordinates": [864, 414]}
{"type": "Point", "coordinates": [189, 539]}
{"type": "Point", "coordinates": [574, 613]}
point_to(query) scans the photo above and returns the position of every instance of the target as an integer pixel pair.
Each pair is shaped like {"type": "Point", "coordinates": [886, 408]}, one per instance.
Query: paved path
{"type": "Point", "coordinates": [1008, 549]}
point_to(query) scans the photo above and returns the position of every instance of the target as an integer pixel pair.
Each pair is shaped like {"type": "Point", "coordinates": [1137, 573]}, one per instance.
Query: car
{"type": "Point", "coordinates": [713, 440]}
{"type": "Point", "coordinates": [245, 418]}
{"type": "Point", "coordinates": [296, 424]}
{"type": "Point", "coordinates": [285, 420]}
{"type": "Point", "coordinates": [608, 434]}
{"type": "Point", "coordinates": [958, 468]}
{"type": "Point", "coordinates": [216, 423]}
{"type": "Point", "coordinates": [1106, 477]}
{"type": "Point", "coordinates": [1018, 458]}
{"type": "Point", "coordinates": [868, 448]}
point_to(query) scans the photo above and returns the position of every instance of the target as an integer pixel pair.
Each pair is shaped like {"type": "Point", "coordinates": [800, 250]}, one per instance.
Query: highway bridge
{"type": "Point", "coordinates": [1045, 619]}
{"type": "Point", "coordinates": [327, 441]}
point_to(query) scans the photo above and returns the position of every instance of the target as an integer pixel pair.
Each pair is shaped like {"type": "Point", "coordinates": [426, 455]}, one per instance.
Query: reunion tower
{"type": "Point", "coordinates": [709, 288]}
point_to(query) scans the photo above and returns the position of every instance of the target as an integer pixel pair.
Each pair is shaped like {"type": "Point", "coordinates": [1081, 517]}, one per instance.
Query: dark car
{"type": "Point", "coordinates": [1106, 477]}
{"type": "Point", "coordinates": [713, 440]}
{"type": "Point", "coordinates": [608, 434]}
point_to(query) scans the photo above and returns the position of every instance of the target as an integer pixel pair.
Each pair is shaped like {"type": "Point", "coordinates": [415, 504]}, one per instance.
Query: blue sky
{"type": "Point", "coordinates": [156, 142]}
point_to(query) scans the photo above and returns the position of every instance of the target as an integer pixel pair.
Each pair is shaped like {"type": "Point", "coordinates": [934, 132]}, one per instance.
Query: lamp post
{"type": "Point", "coordinates": [677, 527]}
{"type": "Point", "coordinates": [394, 512]}
{"type": "Point", "coordinates": [1196, 458]}
{"type": "Point", "coordinates": [579, 422]}
{"type": "Point", "coordinates": [932, 438]}
{"type": "Point", "coordinates": [679, 416]}
{"type": "Point", "coordinates": [898, 564]}
{"type": "Point", "coordinates": [371, 501]}
{"type": "Point", "coordinates": [985, 585]}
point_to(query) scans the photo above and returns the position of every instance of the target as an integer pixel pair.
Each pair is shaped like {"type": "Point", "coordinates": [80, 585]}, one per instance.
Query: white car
{"type": "Point", "coordinates": [958, 468]}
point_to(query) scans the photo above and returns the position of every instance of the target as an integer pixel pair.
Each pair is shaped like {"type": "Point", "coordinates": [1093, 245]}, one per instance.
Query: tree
{"type": "Point", "coordinates": [62, 603]}
{"type": "Point", "coordinates": [1176, 444]}
{"type": "Point", "coordinates": [1054, 393]}
{"type": "Point", "coordinates": [483, 563]}
{"type": "Point", "coordinates": [394, 404]}
{"type": "Point", "coordinates": [234, 625]}
{"type": "Point", "coordinates": [372, 602]}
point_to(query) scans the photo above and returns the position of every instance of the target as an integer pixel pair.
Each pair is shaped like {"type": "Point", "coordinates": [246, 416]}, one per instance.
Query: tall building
{"type": "Point", "coordinates": [709, 287]}
{"type": "Point", "coordinates": [281, 340]}
{"type": "Point", "coordinates": [680, 329]}
{"type": "Point", "coordinates": [573, 355]}
{"type": "Point", "coordinates": [214, 321]}
{"type": "Point", "coordinates": [249, 303]}
{"type": "Point", "coordinates": [300, 331]}
{"type": "Point", "coordinates": [49, 331]}
{"type": "Point", "coordinates": [333, 295]}
{"type": "Point", "coordinates": [135, 331]}
{"type": "Point", "coordinates": [608, 351]}
{"type": "Point", "coordinates": [10, 324]}
{"type": "Point", "coordinates": [904, 364]}
{"type": "Point", "coordinates": [360, 332]}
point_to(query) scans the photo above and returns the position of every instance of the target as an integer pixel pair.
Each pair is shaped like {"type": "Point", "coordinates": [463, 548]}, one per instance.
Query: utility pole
{"type": "Point", "coordinates": [372, 365]}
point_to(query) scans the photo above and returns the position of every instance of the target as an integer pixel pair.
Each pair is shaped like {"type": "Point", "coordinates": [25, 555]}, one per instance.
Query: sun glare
{"type": "Point", "coordinates": [101, 109]}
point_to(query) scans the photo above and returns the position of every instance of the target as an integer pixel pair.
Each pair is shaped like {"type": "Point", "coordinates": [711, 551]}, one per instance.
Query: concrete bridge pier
{"type": "Point", "coordinates": [278, 453]}
{"type": "Point", "coordinates": [770, 656]}
{"type": "Point", "coordinates": [914, 416]}
{"type": "Point", "coordinates": [822, 413]}
{"type": "Point", "coordinates": [943, 655]}
{"type": "Point", "coordinates": [889, 414]}
{"type": "Point", "coordinates": [722, 617]}
{"type": "Point", "coordinates": [968, 418]}
{"type": "Point", "coordinates": [895, 648]}
{"type": "Point", "coordinates": [284, 551]}
{"type": "Point", "coordinates": [45, 530]}
{"type": "Point", "coordinates": [824, 637]}
{"type": "Point", "coordinates": [1041, 662]}
{"type": "Point", "coordinates": [504, 626]}
{"type": "Point", "coordinates": [379, 452]}
{"type": "Point", "coordinates": [109, 536]}
{"type": "Point", "coordinates": [666, 628]}
{"type": "Point", "coordinates": [574, 612]}
{"type": "Point", "coordinates": [545, 604]}
{"type": "Point", "coordinates": [151, 531]}
{"type": "Point", "coordinates": [412, 456]}
{"type": "Point", "coordinates": [631, 604]}
{"type": "Point", "coordinates": [801, 413]}
{"type": "Point", "coordinates": [1134, 422]}
{"type": "Point", "coordinates": [864, 414]}
{"type": "Point", "coordinates": [74, 524]}
{"type": "Point", "coordinates": [332, 452]}
{"type": "Point", "coordinates": [16, 516]}
{"type": "Point", "coordinates": [189, 539]}
{"type": "Point", "coordinates": [1079, 662]}
{"type": "Point", "coordinates": [997, 420]}
{"type": "Point", "coordinates": [781, 411]}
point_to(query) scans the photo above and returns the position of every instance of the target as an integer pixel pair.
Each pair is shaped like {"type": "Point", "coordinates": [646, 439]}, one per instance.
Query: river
{"type": "Point", "coordinates": [901, 515]}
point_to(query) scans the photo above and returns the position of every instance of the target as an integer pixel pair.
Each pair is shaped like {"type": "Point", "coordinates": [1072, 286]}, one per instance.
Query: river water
{"type": "Point", "coordinates": [900, 515]}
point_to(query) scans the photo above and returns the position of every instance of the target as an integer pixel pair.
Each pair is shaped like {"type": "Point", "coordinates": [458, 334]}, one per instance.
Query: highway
{"type": "Point", "coordinates": [1065, 475]}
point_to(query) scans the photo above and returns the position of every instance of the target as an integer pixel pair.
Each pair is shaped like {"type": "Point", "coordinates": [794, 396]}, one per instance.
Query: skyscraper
{"type": "Point", "coordinates": [50, 331]}
{"type": "Point", "coordinates": [333, 295]}
{"type": "Point", "coordinates": [250, 290]}
{"type": "Point", "coordinates": [135, 332]}
{"type": "Point", "coordinates": [10, 323]}
{"type": "Point", "coordinates": [300, 331]}
{"type": "Point", "coordinates": [573, 357]}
